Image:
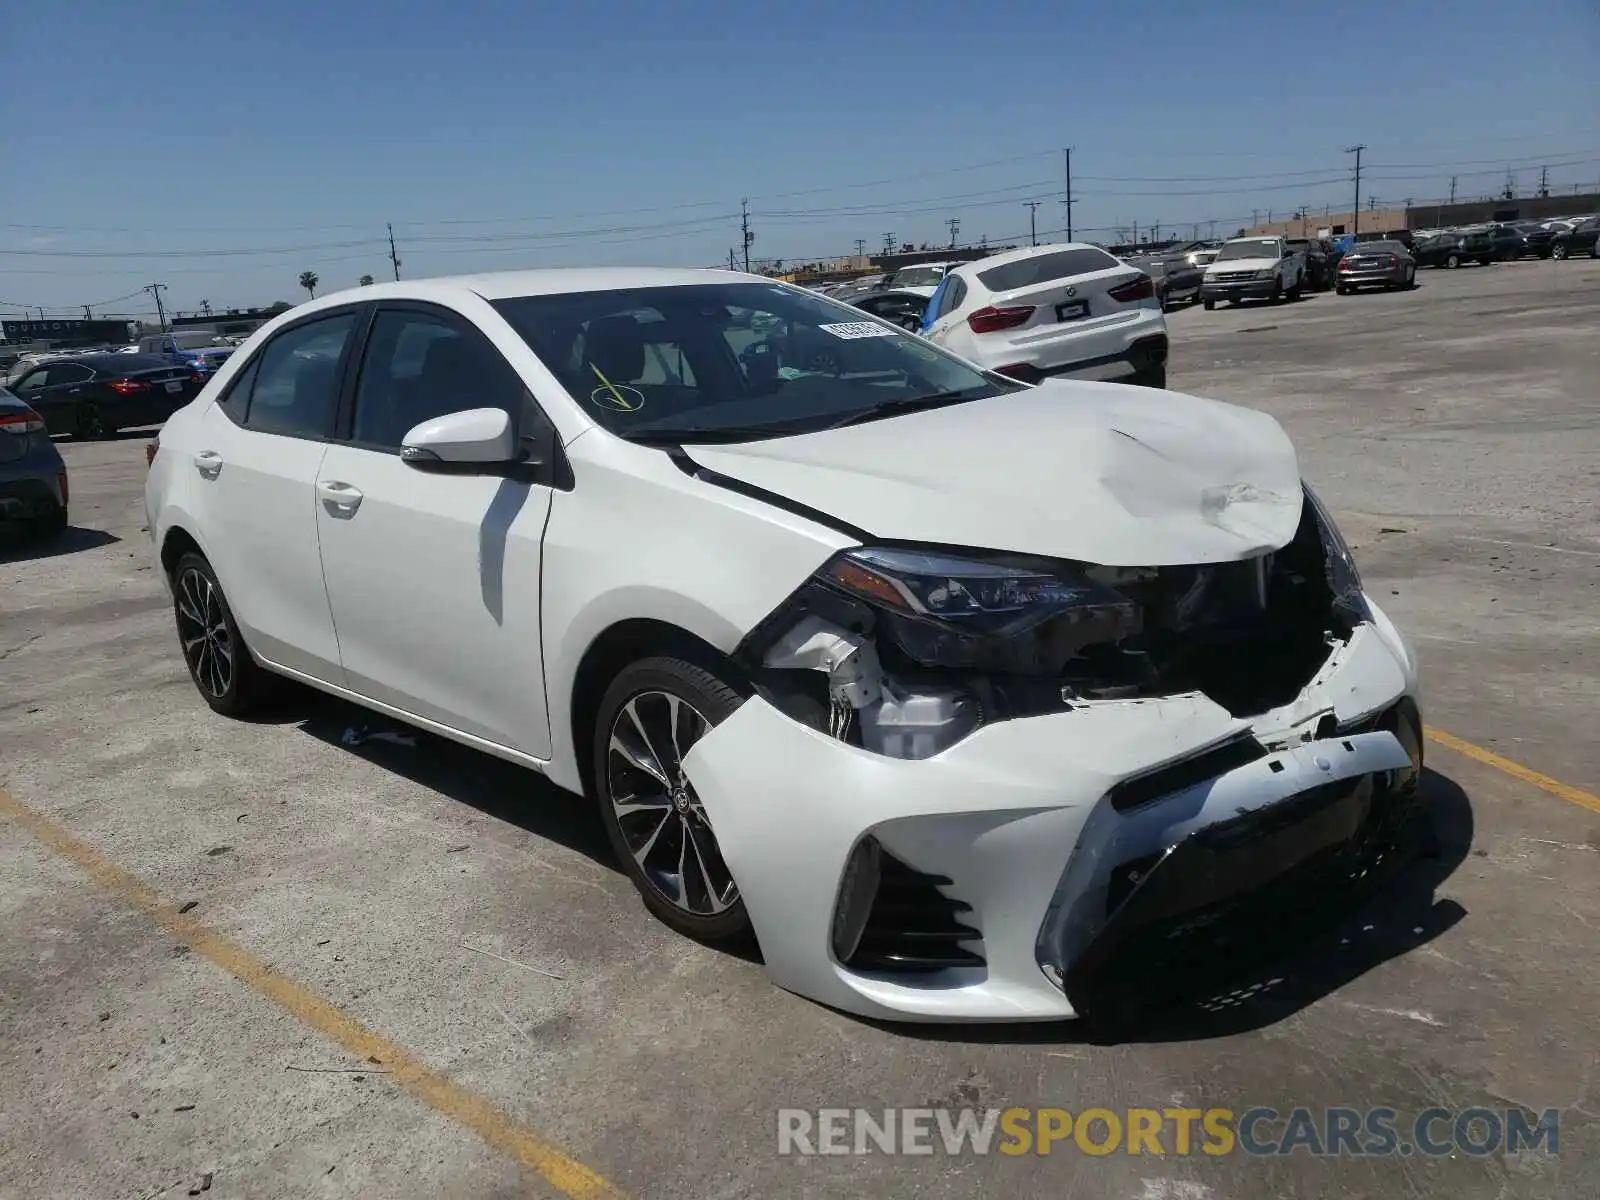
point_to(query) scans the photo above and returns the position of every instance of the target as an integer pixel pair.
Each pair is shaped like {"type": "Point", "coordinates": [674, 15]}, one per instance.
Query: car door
{"type": "Point", "coordinates": [54, 391]}
{"type": "Point", "coordinates": [433, 577]}
{"type": "Point", "coordinates": [255, 455]}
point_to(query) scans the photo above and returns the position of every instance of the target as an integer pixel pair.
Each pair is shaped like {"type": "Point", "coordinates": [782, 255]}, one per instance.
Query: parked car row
{"type": "Point", "coordinates": [1507, 241]}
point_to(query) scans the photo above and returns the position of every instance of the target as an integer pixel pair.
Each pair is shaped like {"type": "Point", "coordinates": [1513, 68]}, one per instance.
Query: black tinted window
{"type": "Point", "coordinates": [297, 384]}
{"type": "Point", "coordinates": [236, 400]}
{"type": "Point", "coordinates": [420, 365]}
{"type": "Point", "coordinates": [60, 373]}
{"type": "Point", "coordinates": [954, 294]}
{"type": "Point", "coordinates": [1042, 268]}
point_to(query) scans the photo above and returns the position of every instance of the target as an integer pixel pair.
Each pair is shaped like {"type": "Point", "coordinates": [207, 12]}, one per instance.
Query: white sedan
{"type": "Point", "coordinates": [952, 691]}
{"type": "Point", "coordinates": [1048, 311]}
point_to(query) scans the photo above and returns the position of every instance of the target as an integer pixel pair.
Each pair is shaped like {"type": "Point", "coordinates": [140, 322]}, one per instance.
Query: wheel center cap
{"type": "Point", "coordinates": [680, 799]}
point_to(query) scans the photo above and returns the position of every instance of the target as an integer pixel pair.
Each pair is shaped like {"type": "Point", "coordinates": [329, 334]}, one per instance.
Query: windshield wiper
{"type": "Point", "coordinates": [673, 435]}
{"type": "Point", "coordinates": [903, 404]}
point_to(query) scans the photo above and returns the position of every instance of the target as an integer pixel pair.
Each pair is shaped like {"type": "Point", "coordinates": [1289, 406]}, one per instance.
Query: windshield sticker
{"type": "Point", "coordinates": [618, 397]}
{"type": "Point", "coordinates": [850, 330]}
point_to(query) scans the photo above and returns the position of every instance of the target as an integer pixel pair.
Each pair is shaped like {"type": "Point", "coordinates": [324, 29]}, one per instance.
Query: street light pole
{"type": "Point", "coordinates": [1355, 214]}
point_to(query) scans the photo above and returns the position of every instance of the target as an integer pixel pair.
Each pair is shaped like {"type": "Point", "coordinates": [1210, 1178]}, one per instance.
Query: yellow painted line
{"type": "Point", "coordinates": [467, 1109]}
{"type": "Point", "coordinates": [1573, 795]}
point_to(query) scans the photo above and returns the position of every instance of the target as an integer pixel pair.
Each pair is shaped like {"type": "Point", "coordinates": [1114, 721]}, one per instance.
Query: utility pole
{"type": "Point", "coordinates": [954, 225]}
{"type": "Point", "coordinates": [744, 229]}
{"type": "Point", "coordinates": [1452, 189]}
{"type": "Point", "coordinates": [1067, 153]}
{"type": "Point", "coordinates": [1544, 181]}
{"type": "Point", "coordinates": [87, 315]}
{"type": "Point", "coordinates": [888, 243]}
{"type": "Point", "coordinates": [1255, 217]}
{"type": "Point", "coordinates": [394, 259]}
{"type": "Point", "coordinates": [155, 290]}
{"type": "Point", "coordinates": [1355, 213]}
{"type": "Point", "coordinates": [1033, 222]}
{"type": "Point", "coordinates": [861, 247]}
{"type": "Point", "coordinates": [1213, 231]}
{"type": "Point", "coordinates": [205, 307]}
{"type": "Point", "coordinates": [733, 263]}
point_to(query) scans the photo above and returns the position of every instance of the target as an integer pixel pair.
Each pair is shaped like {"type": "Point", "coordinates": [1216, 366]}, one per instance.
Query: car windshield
{"type": "Point", "coordinates": [733, 361]}
{"type": "Point", "coordinates": [918, 277]}
{"type": "Point", "coordinates": [1251, 248]}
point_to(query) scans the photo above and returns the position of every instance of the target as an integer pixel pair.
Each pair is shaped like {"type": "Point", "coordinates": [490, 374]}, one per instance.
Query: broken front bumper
{"type": "Point", "coordinates": [1012, 849]}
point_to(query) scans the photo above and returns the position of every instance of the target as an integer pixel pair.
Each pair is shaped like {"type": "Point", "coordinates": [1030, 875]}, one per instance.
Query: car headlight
{"type": "Point", "coordinates": [1269, 273]}
{"type": "Point", "coordinates": [950, 611]}
{"type": "Point", "coordinates": [1344, 580]}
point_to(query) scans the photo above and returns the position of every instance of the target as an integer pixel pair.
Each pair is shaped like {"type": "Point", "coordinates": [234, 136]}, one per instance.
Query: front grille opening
{"type": "Point", "coordinates": [1185, 773]}
{"type": "Point", "coordinates": [914, 926]}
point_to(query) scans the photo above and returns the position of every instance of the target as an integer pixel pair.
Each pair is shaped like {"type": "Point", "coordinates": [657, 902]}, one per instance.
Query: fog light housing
{"type": "Point", "coordinates": [858, 888]}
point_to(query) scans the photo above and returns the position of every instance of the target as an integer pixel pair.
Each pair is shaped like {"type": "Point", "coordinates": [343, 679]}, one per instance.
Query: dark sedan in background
{"type": "Point", "coordinates": [94, 395]}
{"type": "Point", "coordinates": [33, 479]}
{"type": "Point", "coordinates": [1455, 249]}
{"type": "Point", "coordinates": [1578, 241]}
{"type": "Point", "coordinates": [1388, 265]}
{"type": "Point", "coordinates": [1177, 279]}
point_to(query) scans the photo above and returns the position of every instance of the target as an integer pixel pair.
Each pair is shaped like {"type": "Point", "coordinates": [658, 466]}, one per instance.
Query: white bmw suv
{"type": "Point", "coordinates": [1068, 310]}
{"type": "Point", "coordinates": [966, 699]}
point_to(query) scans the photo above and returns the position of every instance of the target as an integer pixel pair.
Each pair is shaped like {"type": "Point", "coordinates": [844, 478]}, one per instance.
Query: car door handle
{"type": "Point", "coordinates": [339, 498]}
{"type": "Point", "coordinates": [208, 463]}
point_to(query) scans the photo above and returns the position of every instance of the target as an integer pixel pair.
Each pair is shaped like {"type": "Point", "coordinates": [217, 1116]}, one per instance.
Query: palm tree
{"type": "Point", "coordinates": [365, 281]}
{"type": "Point", "coordinates": [309, 281]}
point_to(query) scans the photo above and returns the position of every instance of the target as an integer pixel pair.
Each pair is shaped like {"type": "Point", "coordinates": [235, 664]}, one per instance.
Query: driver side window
{"type": "Point", "coordinates": [420, 365]}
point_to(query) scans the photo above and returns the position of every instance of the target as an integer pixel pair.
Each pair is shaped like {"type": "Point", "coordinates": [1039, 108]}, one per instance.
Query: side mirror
{"type": "Point", "coordinates": [476, 436]}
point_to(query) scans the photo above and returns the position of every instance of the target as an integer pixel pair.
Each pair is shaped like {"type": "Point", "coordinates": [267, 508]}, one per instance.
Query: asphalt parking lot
{"type": "Point", "coordinates": [285, 959]}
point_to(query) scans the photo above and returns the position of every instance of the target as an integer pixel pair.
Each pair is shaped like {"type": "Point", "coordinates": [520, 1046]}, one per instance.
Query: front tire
{"type": "Point", "coordinates": [1295, 291]}
{"type": "Point", "coordinates": [650, 716]}
{"type": "Point", "coordinates": [1559, 251]}
{"type": "Point", "coordinates": [226, 676]}
{"type": "Point", "coordinates": [1341, 289]}
{"type": "Point", "coordinates": [1453, 261]}
{"type": "Point", "coordinates": [1208, 305]}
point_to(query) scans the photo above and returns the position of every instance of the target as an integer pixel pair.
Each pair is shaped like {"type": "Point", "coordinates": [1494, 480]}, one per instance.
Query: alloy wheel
{"type": "Point", "coordinates": [89, 423]}
{"type": "Point", "coordinates": [662, 821]}
{"type": "Point", "coordinates": [207, 645]}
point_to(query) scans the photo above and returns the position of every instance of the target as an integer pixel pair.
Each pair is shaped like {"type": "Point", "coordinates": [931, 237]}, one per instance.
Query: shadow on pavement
{"type": "Point", "coordinates": [496, 788]}
{"type": "Point", "coordinates": [15, 547]}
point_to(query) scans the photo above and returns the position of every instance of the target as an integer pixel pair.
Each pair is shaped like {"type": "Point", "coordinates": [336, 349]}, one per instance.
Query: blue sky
{"type": "Point", "coordinates": [224, 148]}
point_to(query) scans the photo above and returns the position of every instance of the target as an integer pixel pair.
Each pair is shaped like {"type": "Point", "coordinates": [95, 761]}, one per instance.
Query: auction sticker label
{"type": "Point", "coordinates": [850, 330]}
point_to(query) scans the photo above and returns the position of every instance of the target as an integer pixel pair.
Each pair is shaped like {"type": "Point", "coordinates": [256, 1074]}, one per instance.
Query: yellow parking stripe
{"type": "Point", "coordinates": [497, 1128]}
{"type": "Point", "coordinates": [1573, 795]}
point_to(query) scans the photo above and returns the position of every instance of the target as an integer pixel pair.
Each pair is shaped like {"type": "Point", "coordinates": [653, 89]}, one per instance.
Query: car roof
{"type": "Point", "coordinates": [502, 285]}
{"type": "Point", "coordinates": [1024, 252]}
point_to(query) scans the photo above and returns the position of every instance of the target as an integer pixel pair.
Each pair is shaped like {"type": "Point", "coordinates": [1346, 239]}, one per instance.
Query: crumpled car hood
{"type": "Point", "coordinates": [1100, 473]}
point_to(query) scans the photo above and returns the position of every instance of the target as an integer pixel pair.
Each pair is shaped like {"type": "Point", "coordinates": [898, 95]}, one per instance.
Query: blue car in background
{"type": "Point", "coordinates": [197, 350]}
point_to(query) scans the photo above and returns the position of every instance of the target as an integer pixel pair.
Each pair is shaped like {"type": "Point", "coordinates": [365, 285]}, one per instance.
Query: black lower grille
{"type": "Point", "coordinates": [1185, 773]}
{"type": "Point", "coordinates": [913, 925]}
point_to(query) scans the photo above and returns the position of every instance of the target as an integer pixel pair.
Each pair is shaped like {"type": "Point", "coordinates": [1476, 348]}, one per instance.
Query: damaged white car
{"type": "Point", "coordinates": [957, 694]}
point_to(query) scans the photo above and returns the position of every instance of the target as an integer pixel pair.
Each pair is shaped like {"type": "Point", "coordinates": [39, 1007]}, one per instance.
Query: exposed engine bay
{"type": "Point", "coordinates": [905, 651]}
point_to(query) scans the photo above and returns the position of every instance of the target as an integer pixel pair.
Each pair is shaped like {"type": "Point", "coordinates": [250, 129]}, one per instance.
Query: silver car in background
{"type": "Point", "coordinates": [1388, 265]}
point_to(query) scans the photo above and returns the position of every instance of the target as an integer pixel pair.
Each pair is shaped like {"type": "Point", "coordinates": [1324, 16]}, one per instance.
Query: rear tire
{"type": "Point", "coordinates": [1277, 292]}
{"type": "Point", "coordinates": [1558, 251]}
{"type": "Point", "coordinates": [1341, 289]}
{"type": "Point", "coordinates": [220, 665]}
{"type": "Point", "coordinates": [1453, 261]}
{"type": "Point", "coordinates": [1294, 292]}
{"type": "Point", "coordinates": [1208, 305]}
{"type": "Point", "coordinates": [50, 526]}
{"type": "Point", "coordinates": [653, 712]}
{"type": "Point", "coordinates": [89, 425]}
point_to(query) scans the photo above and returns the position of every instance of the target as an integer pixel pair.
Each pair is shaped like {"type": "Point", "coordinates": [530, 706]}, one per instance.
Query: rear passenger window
{"type": "Point", "coordinates": [236, 400]}
{"type": "Point", "coordinates": [955, 293]}
{"type": "Point", "coordinates": [421, 365]}
{"type": "Point", "coordinates": [296, 386]}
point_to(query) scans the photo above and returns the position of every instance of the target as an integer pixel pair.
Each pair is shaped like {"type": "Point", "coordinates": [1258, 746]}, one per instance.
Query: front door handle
{"type": "Point", "coordinates": [340, 499]}
{"type": "Point", "coordinates": [208, 463]}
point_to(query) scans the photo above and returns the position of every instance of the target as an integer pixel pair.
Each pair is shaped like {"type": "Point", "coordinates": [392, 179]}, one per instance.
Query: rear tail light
{"type": "Point", "coordinates": [198, 377]}
{"type": "Point", "coordinates": [22, 422]}
{"type": "Point", "coordinates": [1344, 265]}
{"type": "Point", "coordinates": [1394, 260]}
{"type": "Point", "coordinates": [989, 320]}
{"type": "Point", "coordinates": [128, 387]}
{"type": "Point", "coordinates": [61, 482]}
{"type": "Point", "coordinates": [1141, 287]}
